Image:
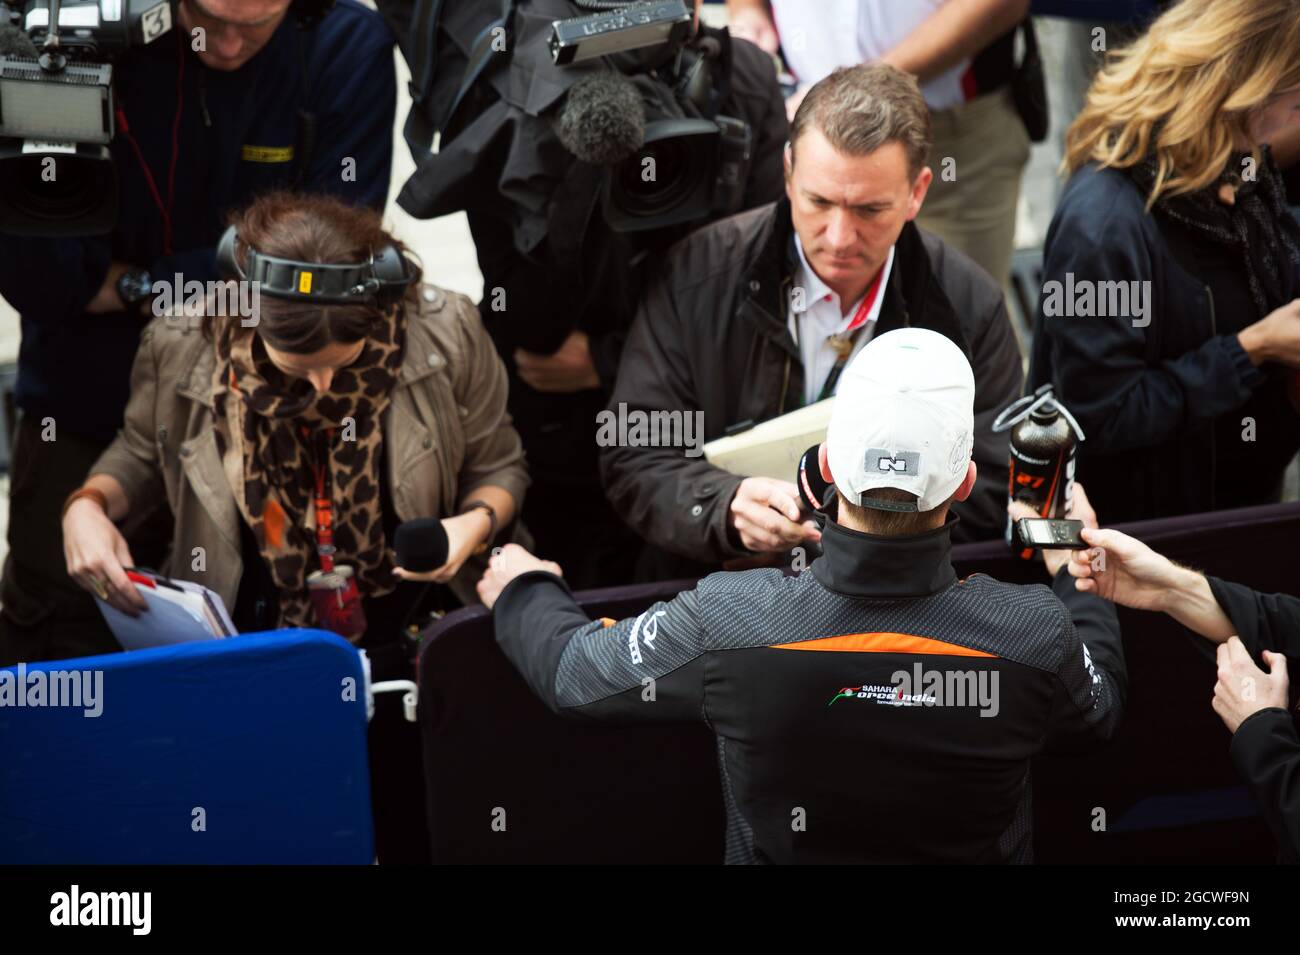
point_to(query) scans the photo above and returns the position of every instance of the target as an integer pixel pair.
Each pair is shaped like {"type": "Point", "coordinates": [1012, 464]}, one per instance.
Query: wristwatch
{"type": "Point", "coordinates": [475, 505]}
{"type": "Point", "coordinates": [134, 286]}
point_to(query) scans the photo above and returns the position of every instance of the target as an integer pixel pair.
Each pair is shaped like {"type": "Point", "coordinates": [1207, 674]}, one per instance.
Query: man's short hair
{"type": "Point", "coordinates": [861, 108]}
{"type": "Point", "coordinates": [890, 523]}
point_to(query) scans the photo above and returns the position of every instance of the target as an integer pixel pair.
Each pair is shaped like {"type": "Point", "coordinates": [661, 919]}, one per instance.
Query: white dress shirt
{"type": "Point", "coordinates": [815, 315]}
{"type": "Point", "coordinates": [819, 35]}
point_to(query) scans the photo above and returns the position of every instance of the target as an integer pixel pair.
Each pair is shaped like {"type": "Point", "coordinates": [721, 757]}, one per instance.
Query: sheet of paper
{"type": "Point", "coordinates": [773, 448]}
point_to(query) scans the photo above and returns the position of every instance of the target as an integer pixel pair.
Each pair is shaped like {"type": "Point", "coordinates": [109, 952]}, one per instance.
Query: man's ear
{"type": "Point", "coordinates": [787, 163]}
{"type": "Point", "coordinates": [824, 463]}
{"type": "Point", "coordinates": [919, 190]}
{"type": "Point", "coordinates": [967, 485]}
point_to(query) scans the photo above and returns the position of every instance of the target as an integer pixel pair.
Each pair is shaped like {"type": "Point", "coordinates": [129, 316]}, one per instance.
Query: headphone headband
{"type": "Point", "coordinates": [380, 282]}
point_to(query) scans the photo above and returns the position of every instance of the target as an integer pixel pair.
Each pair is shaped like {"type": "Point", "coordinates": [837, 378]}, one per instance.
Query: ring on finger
{"type": "Point", "coordinates": [101, 591]}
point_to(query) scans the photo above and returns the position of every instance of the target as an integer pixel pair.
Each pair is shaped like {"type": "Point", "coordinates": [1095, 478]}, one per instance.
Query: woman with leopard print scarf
{"type": "Point", "coordinates": [315, 415]}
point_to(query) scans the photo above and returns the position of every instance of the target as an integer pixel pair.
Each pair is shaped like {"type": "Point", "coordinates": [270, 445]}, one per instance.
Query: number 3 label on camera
{"type": "Point", "coordinates": [156, 21]}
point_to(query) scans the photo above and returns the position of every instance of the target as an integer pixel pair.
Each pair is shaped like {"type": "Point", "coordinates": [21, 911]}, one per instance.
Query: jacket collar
{"type": "Point", "coordinates": [420, 356]}
{"type": "Point", "coordinates": [912, 297]}
{"type": "Point", "coordinates": [855, 564]}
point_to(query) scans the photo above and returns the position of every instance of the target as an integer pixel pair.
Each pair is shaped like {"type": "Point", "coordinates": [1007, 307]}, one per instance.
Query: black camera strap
{"type": "Point", "coordinates": [420, 127]}
{"type": "Point", "coordinates": [423, 46]}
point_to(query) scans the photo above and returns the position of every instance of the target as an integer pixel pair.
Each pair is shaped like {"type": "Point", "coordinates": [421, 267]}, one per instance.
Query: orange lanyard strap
{"type": "Point", "coordinates": [324, 504]}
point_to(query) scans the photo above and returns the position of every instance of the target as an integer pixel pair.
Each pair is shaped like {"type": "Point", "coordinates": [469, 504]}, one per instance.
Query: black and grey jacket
{"type": "Point", "coordinates": [905, 735]}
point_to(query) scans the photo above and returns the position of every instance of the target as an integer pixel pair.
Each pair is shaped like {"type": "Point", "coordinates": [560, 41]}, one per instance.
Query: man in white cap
{"type": "Point", "coordinates": [909, 737]}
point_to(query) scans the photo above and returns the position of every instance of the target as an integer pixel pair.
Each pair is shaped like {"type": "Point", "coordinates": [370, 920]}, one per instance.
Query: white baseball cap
{"type": "Point", "coordinates": [904, 417]}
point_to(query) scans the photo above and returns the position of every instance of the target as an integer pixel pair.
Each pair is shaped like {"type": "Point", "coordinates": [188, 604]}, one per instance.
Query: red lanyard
{"type": "Point", "coordinates": [165, 210]}
{"type": "Point", "coordinates": [324, 504]}
{"type": "Point", "coordinates": [844, 341]}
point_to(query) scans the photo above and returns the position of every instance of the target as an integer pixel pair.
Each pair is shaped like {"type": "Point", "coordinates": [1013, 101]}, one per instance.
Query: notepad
{"type": "Point", "coordinates": [772, 449]}
{"type": "Point", "coordinates": [180, 611]}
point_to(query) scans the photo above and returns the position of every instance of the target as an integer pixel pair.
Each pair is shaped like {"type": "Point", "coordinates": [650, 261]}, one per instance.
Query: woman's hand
{"type": "Point", "coordinates": [1275, 337]}
{"type": "Point", "coordinates": [97, 554]}
{"type": "Point", "coordinates": [464, 533]}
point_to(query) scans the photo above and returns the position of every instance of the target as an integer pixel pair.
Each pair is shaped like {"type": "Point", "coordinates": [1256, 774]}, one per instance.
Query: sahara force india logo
{"type": "Point", "coordinates": [887, 695]}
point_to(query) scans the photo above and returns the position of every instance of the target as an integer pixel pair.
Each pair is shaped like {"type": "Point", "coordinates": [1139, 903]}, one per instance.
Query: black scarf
{"type": "Point", "coordinates": [1259, 226]}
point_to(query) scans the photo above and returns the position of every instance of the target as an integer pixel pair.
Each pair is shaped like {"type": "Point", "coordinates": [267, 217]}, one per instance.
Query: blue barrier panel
{"type": "Point", "coordinates": [245, 750]}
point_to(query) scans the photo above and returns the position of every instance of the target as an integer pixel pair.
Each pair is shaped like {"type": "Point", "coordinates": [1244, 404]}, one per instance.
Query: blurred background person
{"type": "Point", "coordinates": [240, 429]}
{"type": "Point", "coordinates": [982, 103]}
{"type": "Point", "coordinates": [1175, 212]}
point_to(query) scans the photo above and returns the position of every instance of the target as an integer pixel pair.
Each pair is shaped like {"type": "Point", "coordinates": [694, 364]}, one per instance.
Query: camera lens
{"type": "Point", "coordinates": [58, 195]}
{"type": "Point", "coordinates": [657, 179]}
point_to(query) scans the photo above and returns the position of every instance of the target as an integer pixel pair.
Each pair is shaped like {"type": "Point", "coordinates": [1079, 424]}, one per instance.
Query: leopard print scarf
{"type": "Point", "coordinates": [269, 429]}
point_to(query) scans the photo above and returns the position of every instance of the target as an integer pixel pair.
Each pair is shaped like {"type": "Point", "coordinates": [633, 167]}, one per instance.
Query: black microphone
{"type": "Point", "coordinates": [14, 42]}
{"type": "Point", "coordinates": [812, 486]}
{"type": "Point", "coordinates": [602, 121]}
{"type": "Point", "coordinates": [421, 545]}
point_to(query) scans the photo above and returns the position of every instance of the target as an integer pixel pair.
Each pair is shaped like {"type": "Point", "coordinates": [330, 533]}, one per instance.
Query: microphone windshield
{"type": "Point", "coordinates": [14, 42]}
{"type": "Point", "coordinates": [602, 121]}
{"type": "Point", "coordinates": [421, 545]}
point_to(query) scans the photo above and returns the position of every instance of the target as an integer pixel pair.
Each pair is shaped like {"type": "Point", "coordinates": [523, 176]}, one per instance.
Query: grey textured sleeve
{"type": "Point", "coordinates": [1091, 676]}
{"type": "Point", "coordinates": [645, 668]}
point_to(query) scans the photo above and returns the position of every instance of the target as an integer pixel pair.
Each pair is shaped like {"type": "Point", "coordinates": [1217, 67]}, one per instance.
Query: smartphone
{"type": "Point", "coordinates": [1042, 533]}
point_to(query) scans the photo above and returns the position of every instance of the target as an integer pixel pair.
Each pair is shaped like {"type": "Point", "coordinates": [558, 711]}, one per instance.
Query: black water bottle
{"type": "Point", "coordinates": [1043, 447]}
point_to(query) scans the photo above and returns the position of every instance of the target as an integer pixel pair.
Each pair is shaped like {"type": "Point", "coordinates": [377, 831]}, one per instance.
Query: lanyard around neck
{"type": "Point", "coordinates": [324, 499]}
{"type": "Point", "coordinates": [845, 341]}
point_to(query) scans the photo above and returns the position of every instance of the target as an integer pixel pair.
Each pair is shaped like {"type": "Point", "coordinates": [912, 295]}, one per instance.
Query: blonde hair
{"type": "Point", "coordinates": [1186, 89]}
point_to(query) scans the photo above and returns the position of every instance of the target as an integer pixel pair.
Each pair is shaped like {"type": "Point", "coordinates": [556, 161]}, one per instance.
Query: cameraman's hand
{"type": "Point", "coordinates": [507, 564]}
{"type": "Point", "coordinates": [765, 514]}
{"type": "Point", "coordinates": [96, 553]}
{"type": "Point", "coordinates": [106, 299]}
{"type": "Point", "coordinates": [751, 21]}
{"type": "Point", "coordinates": [1275, 337]}
{"type": "Point", "coordinates": [569, 369]}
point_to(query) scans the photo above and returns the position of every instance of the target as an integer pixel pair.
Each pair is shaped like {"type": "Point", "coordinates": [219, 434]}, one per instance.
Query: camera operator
{"type": "Point", "coordinates": [526, 156]}
{"type": "Point", "coordinates": [1247, 626]}
{"type": "Point", "coordinates": [850, 690]}
{"type": "Point", "coordinates": [758, 315]}
{"type": "Point", "coordinates": [207, 118]}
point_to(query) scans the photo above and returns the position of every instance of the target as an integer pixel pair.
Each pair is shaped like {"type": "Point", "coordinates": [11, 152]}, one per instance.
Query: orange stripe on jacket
{"type": "Point", "coordinates": [884, 643]}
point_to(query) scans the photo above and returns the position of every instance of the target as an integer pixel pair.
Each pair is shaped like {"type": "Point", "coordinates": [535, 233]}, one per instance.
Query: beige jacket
{"type": "Point", "coordinates": [446, 433]}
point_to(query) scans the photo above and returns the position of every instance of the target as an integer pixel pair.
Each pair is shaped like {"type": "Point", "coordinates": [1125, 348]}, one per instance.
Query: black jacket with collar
{"type": "Point", "coordinates": [1176, 417]}
{"type": "Point", "coordinates": [906, 738]}
{"type": "Point", "coordinates": [712, 336]}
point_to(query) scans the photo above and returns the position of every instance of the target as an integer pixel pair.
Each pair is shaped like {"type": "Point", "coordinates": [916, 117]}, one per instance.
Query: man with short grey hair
{"type": "Point", "coordinates": [757, 315]}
